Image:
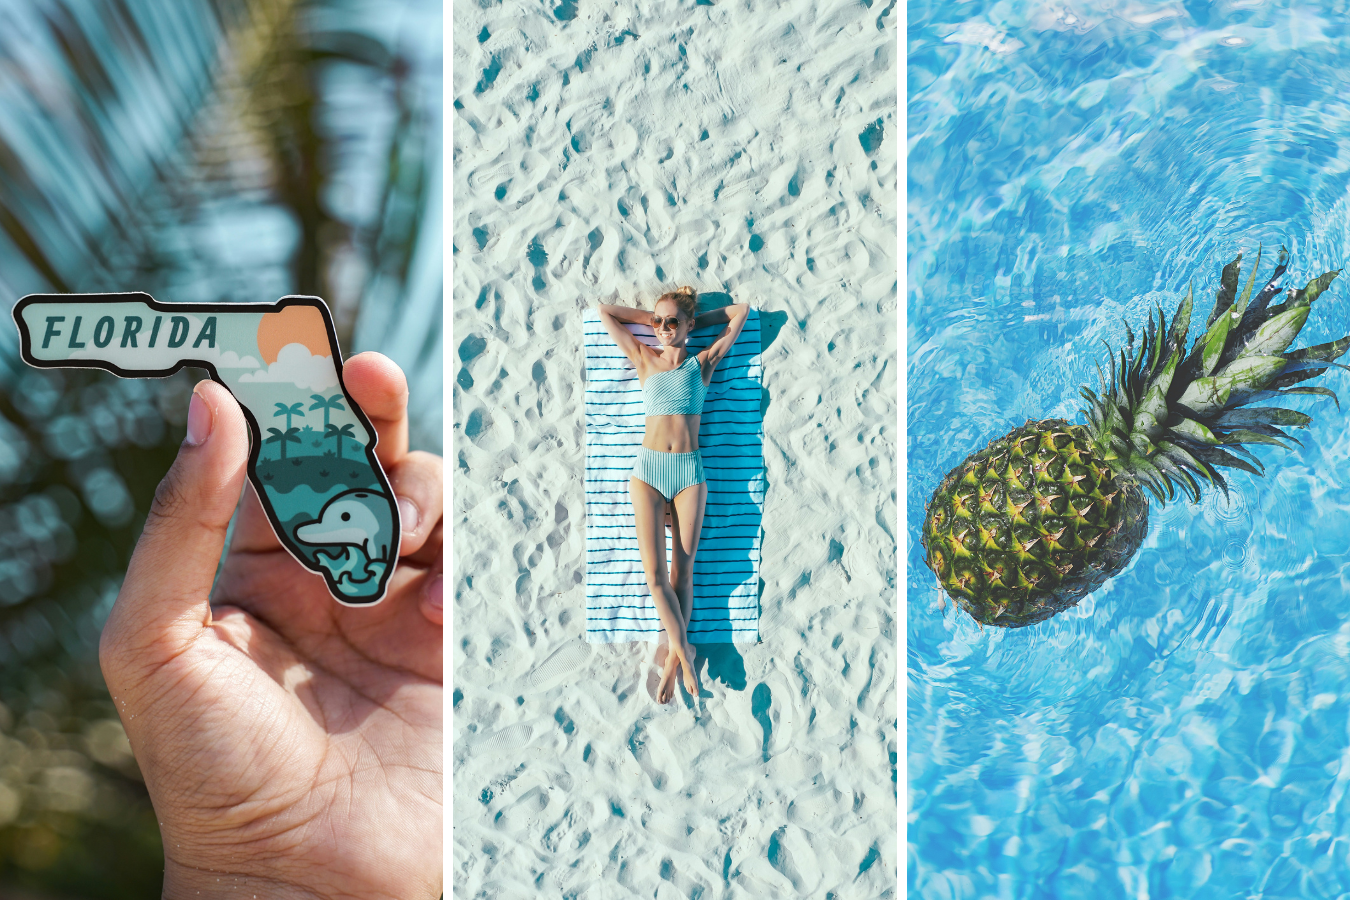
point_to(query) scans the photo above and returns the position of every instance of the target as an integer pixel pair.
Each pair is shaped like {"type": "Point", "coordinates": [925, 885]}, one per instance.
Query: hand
{"type": "Point", "coordinates": [292, 747]}
{"type": "Point", "coordinates": [720, 316]}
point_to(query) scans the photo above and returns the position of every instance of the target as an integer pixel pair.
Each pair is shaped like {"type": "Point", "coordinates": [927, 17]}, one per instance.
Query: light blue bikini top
{"type": "Point", "coordinates": [677, 392]}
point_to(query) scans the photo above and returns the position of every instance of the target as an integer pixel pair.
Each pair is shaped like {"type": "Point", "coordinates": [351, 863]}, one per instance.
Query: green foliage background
{"type": "Point", "coordinates": [199, 150]}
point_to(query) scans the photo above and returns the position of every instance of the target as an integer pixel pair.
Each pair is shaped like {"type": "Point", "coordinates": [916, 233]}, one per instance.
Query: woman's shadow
{"type": "Point", "coordinates": [721, 661]}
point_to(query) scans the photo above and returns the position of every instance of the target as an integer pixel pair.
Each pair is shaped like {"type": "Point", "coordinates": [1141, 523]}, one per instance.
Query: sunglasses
{"type": "Point", "coordinates": [670, 321]}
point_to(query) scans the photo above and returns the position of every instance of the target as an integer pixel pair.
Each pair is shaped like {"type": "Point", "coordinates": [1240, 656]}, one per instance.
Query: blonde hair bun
{"type": "Point", "coordinates": [685, 298]}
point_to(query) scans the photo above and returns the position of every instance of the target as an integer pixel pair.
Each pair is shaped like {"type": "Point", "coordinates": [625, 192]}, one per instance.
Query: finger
{"type": "Point", "coordinates": [430, 562]}
{"type": "Point", "coordinates": [164, 600]}
{"type": "Point", "coordinates": [429, 557]}
{"type": "Point", "coordinates": [432, 598]}
{"type": "Point", "coordinates": [376, 382]}
{"type": "Point", "coordinates": [253, 531]}
{"type": "Point", "coordinates": [418, 482]}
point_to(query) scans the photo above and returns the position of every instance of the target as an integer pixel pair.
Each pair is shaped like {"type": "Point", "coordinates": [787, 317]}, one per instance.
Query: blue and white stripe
{"type": "Point", "coordinates": [726, 569]}
{"type": "Point", "coordinates": [679, 392]}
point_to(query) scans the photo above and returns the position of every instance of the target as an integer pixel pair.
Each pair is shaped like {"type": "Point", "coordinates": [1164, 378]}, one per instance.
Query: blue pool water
{"type": "Point", "coordinates": [1183, 731]}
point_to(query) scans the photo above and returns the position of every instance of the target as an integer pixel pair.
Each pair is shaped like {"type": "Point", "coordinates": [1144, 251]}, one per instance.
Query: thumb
{"type": "Point", "coordinates": [165, 597]}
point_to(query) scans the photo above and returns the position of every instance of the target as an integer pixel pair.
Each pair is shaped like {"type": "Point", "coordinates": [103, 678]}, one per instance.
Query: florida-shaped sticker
{"type": "Point", "coordinates": [312, 455]}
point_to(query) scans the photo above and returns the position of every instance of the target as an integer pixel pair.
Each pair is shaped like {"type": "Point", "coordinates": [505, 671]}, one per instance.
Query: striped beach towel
{"type": "Point", "coordinates": [726, 567]}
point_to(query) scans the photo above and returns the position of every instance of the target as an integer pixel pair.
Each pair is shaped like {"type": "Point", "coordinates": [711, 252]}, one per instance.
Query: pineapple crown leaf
{"type": "Point", "coordinates": [1320, 391]}
{"type": "Point", "coordinates": [1248, 455]}
{"type": "Point", "coordinates": [1267, 415]}
{"type": "Point", "coordinates": [1170, 417]}
{"type": "Point", "coordinates": [1180, 465]}
{"type": "Point", "coordinates": [1179, 456]}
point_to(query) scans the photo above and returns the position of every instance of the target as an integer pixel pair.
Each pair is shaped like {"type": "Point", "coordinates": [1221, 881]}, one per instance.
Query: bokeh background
{"type": "Point", "coordinates": [198, 150]}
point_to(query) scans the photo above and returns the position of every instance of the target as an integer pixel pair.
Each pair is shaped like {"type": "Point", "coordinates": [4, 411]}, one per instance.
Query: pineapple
{"type": "Point", "coordinates": [1043, 516]}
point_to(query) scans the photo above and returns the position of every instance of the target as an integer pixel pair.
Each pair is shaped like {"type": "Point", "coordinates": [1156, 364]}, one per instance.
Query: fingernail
{"type": "Point", "coordinates": [408, 515]}
{"type": "Point", "coordinates": [434, 592]}
{"type": "Point", "coordinates": [199, 420]}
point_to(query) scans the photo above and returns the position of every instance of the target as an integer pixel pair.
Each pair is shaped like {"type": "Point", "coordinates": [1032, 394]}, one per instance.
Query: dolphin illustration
{"type": "Point", "coordinates": [357, 518]}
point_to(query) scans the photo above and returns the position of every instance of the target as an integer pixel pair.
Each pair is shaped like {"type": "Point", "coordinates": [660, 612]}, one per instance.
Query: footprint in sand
{"type": "Point", "coordinates": [759, 708]}
{"type": "Point", "coordinates": [637, 745]}
{"type": "Point", "coordinates": [516, 817]}
{"type": "Point", "coordinates": [566, 661]}
{"type": "Point", "coordinates": [790, 853]}
{"type": "Point", "coordinates": [594, 240]}
{"type": "Point", "coordinates": [555, 839]}
{"type": "Point", "coordinates": [684, 885]}
{"type": "Point", "coordinates": [507, 740]}
{"type": "Point", "coordinates": [558, 535]}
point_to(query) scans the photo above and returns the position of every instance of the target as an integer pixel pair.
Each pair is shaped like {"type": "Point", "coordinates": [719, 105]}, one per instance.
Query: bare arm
{"type": "Point", "coordinates": [713, 317]}
{"type": "Point", "coordinates": [614, 318]}
{"type": "Point", "coordinates": [735, 317]}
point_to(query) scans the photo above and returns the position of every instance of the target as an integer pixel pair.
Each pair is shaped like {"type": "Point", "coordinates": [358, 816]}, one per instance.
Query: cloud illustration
{"type": "Point", "coordinates": [296, 365]}
{"type": "Point", "coordinates": [231, 360]}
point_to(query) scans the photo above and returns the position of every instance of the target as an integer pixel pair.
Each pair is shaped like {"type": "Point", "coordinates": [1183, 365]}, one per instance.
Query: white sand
{"type": "Point", "coordinates": [569, 780]}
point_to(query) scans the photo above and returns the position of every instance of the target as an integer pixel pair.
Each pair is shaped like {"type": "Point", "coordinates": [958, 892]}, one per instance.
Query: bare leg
{"type": "Point", "coordinates": [666, 661]}
{"type": "Point", "coordinates": [648, 514]}
{"type": "Point", "coordinates": [686, 525]}
{"type": "Point", "coordinates": [670, 664]}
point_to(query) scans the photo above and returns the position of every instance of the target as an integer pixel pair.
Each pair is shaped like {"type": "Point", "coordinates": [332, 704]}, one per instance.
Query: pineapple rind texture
{"type": "Point", "coordinates": [1031, 524]}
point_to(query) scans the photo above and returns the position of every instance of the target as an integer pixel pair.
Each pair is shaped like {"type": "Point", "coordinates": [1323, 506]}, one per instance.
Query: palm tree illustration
{"type": "Point", "coordinates": [291, 436]}
{"type": "Point", "coordinates": [333, 402]}
{"type": "Point", "coordinates": [295, 409]}
{"type": "Point", "coordinates": [339, 433]}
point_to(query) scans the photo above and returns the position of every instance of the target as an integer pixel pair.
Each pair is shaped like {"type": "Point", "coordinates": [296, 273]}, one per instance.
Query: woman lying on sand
{"type": "Point", "coordinates": [668, 477]}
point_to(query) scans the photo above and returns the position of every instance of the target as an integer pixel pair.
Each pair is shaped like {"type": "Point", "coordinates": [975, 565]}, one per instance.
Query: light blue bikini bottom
{"type": "Point", "coordinates": [669, 473]}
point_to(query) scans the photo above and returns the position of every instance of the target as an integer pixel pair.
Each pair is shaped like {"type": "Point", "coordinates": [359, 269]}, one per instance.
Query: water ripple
{"type": "Point", "coordinates": [1179, 733]}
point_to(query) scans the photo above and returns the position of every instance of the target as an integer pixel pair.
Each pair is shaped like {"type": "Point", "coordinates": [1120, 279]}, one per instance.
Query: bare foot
{"type": "Point", "coordinates": [660, 686]}
{"type": "Point", "coordinates": [666, 689]}
{"type": "Point", "coordinates": [687, 664]}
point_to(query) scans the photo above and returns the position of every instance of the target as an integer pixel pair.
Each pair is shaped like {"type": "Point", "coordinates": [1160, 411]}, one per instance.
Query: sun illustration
{"type": "Point", "coordinates": [293, 325]}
